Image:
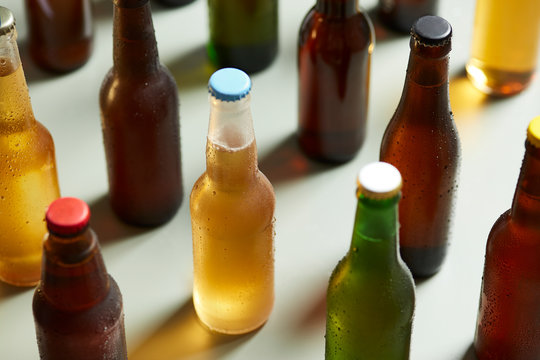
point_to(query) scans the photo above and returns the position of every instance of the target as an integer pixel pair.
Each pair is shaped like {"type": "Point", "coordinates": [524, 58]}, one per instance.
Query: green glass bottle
{"type": "Point", "coordinates": [370, 299]}
{"type": "Point", "coordinates": [243, 33]}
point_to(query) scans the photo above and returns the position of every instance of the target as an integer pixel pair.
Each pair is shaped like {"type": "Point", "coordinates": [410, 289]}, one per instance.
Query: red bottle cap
{"type": "Point", "coordinates": [67, 216]}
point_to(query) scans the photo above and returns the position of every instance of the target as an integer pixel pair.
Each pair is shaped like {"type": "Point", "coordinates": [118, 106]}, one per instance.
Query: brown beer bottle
{"type": "Point", "coordinates": [334, 50]}
{"type": "Point", "coordinates": [421, 140]}
{"type": "Point", "coordinates": [60, 33]}
{"type": "Point", "coordinates": [400, 15]}
{"type": "Point", "coordinates": [77, 306]}
{"type": "Point", "coordinates": [508, 325]}
{"type": "Point", "coordinates": [140, 122]}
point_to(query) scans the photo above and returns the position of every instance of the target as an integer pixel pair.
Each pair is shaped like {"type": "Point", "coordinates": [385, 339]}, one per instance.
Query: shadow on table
{"type": "Point", "coordinates": [314, 313]}
{"type": "Point", "coordinates": [469, 355]}
{"type": "Point", "coordinates": [7, 291]}
{"type": "Point", "coordinates": [192, 69]}
{"type": "Point", "coordinates": [183, 335]}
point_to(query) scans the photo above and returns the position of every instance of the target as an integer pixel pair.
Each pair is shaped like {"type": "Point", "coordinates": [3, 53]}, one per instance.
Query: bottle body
{"type": "Point", "coordinates": [402, 14]}
{"type": "Point", "coordinates": [243, 34]}
{"type": "Point", "coordinates": [60, 33]}
{"type": "Point", "coordinates": [334, 53]}
{"type": "Point", "coordinates": [29, 180]}
{"type": "Point", "coordinates": [504, 46]}
{"type": "Point", "coordinates": [140, 123]}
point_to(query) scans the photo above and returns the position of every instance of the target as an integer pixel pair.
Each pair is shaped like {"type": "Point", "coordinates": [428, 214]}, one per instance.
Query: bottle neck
{"type": "Point", "coordinates": [231, 152]}
{"type": "Point", "coordinates": [337, 8]}
{"type": "Point", "coordinates": [526, 203]}
{"type": "Point", "coordinates": [74, 275]}
{"type": "Point", "coordinates": [15, 107]}
{"type": "Point", "coordinates": [374, 240]}
{"type": "Point", "coordinates": [135, 48]}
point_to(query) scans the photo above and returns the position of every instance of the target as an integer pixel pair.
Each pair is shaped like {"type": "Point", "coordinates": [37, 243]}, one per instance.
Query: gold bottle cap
{"type": "Point", "coordinates": [7, 21]}
{"type": "Point", "coordinates": [533, 132]}
{"type": "Point", "coordinates": [379, 181]}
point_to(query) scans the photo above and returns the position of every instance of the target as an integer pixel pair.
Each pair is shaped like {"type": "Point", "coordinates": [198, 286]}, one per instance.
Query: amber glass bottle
{"type": "Point", "coordinates": [77, 306]}
{"type": "Point", "coordinates": [508, 325]}
{"type": "Point", "coordinates": [28, 180]}
{"type": "Point", "coordinates": [402, 14]}
{"type": "Point", "coordinates": [334, 50]}
{"type": "Point", "coordinates": [61, 33]}
{"type": "Point", "coordinates": [421, 140]}
{"type": "Point", "coordinates": [140, 121]}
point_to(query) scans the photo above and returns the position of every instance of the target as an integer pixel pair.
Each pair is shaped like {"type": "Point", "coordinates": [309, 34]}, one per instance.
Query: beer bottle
{"type": "Point", "coordinates": [508, 325]}
{"type": "Point", "coordinates": [77, 306]}
{"type": "Point", "coordinates": [232, 216]}
{"type": "Point", "coordinates": [140, 122]}
{"type": "Point", "coordinates": [60, 33]}
{"type": "Point", "coordinates": [505, 42]}
{"type": "Point", "coordinates": [28, 179]}
{"type": "Point", "coordinates": [370, 298]}
{"type": "Point", "coordinates": [174, 3]}
{"type": "Point", "coordinates": [421, 140]}
{"type": "Point", "coordinates": [243, 33]}
{"type": "Point", "coordinates": [334, 50]}
{"type": "Point", "coordinates": [402, 14]}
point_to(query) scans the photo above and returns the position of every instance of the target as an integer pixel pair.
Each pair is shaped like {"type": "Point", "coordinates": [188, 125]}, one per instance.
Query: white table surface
{"type": "Point", "coordinates": [315, 203]}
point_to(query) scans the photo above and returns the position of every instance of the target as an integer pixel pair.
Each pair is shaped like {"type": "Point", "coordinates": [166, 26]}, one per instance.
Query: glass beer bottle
{"type": "Point", "coordinates": [508, 325]}
{"type": "Point", "coordinates": [232, 216]}
{"type": "Point", "coordinates": [140, 122]}
{"type": "Point", "coordinates": [28, 179]}
{"type": "Point", "coordinates": [77, 306]}
{"type": "Point", "coordinates": [334, 50]}
{"type": "Point", "coordinates": [371, 296]}
{"type": "Point", "coordinates": [60, 33]}
{"type": "Point", "coordinates": [402, 14]}
{"type": "Point", "coordinates": [422, 141]}
{"type": "Point", "coordinates": [505, 45]}
{"type": "Point", "coordinates": [243, 33]}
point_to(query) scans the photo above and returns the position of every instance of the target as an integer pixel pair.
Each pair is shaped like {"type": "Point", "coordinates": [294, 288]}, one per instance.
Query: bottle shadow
{"type": "Point", "coordinates": [183, 336]}
{"type": "Point", "coordinates": [469, 354]}
{"type": "Point", "coordinates": [192, 69]}
{"type": "Point", "coordinates": [102, 9]}
{"type": "Point", "coordinates": [314, 314]}
{"type": "Point", "coordinates": [157, 6]}
{"type": "Point", "coordinates": [286, 162]}
{"type": "Point", "coordinates": [7, 291]}
{"type": "Point", "coordinates": [382, 32]}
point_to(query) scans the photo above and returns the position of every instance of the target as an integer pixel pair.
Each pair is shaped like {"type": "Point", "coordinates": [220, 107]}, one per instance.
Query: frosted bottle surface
{"type": "Point", "coordinates": [334, 53]}
{"type": "Point", "coordinates": [140, 122]}
{"type": "Point", "coordinates": [422, 141]}
{"type": "Point", "coordinates": [508, 324]}
{"type": "Point", "coordinates": [232, 216]}
{"type": "Point", "coordinates": [28, 179]}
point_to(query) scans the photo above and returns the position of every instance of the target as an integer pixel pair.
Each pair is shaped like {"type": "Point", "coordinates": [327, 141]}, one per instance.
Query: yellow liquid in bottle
{"type": "Point", "coordinates": [28, 182]}
{"type": "Point", "coordinates": [505, 45]}
{"type": "Point", "coordinates": [233, 247]}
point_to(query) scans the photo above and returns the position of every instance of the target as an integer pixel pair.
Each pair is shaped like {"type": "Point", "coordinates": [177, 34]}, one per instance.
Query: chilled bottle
{"type": "Point", "coordinates": [402, 14]}
{"type": "Point", "coordinates": [77, 306]}
{"type": "Point", "coordinates": [508, 325]}
{"type": "Point", "coordinates": [505, 42]}
{"type": "Point", "coordinates": [422, 141]}
{"type": "Point", "coordinates": [232, 216]}
{"type": "Point", "coordinates": [370, 299]}
{"type": "Point", "coordinates": [334, 50]}
{"type": "Point", "coordinates": [140, 122]}
{"type": "Point", "coordinates": [243, 33]}
{"type": "Point", "coordinates": [60, 33]}
{"type": "Point", "coordinates": [28, 179]}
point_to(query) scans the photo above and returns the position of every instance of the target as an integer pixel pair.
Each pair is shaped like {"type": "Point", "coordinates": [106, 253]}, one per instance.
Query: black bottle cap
{"type": "Point", "coordinates": [432, 31]}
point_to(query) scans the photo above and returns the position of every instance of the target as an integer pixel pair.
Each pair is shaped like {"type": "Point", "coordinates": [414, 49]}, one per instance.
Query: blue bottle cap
{"type": "Point", "coordinates": [229, 84]}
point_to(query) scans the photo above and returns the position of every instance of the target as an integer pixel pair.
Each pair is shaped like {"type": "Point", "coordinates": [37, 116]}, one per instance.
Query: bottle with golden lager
{"type": "Point", "coordinates": [28, 180]}
{"type": "Point", "coordinates": [232, 216]}
{"type": "Point", "coordinates": [370, 299]}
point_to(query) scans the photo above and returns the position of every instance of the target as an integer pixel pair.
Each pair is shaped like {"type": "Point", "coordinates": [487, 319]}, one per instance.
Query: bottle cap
{"type": "Point", "coordinates": [67, 216]}
{"type": "Point", "coordinates": [379, 181]}
{"type": "Point", "coordinates": [533, 132]}
{"type": "Point", "coordinates": [432, 31]}
{"type": "Point", "coordinates": [229, 84]}
{"type": "Point", "coordinates": [7, 21]}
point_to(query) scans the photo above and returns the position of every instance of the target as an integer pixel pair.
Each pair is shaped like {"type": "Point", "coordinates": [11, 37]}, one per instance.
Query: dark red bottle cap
{"type": "Point", "coordinates": [67, 216]}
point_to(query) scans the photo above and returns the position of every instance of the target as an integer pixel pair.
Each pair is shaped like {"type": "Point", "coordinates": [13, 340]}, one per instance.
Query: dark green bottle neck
{"type": "Point", "coordinates": [526, 203]}
{"type": "Point", "coordinates": [337, 8]}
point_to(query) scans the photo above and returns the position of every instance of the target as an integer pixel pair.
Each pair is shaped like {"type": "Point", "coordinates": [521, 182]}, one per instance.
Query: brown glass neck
{"type": "Point", "coordinates": [74, 275]}
{"type": "Point", "coordinates": [135, 48]}
{"type": "Point", "coordinates": [337, 8]}
{"type": "Point", "coordinates": [526, 203]}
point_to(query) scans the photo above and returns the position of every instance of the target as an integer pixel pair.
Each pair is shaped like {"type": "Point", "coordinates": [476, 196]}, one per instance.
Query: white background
{"type": "Point", "coordinates": [315, 203]}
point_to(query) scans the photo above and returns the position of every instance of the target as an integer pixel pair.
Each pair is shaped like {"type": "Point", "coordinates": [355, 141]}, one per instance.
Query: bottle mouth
{"type": "Point", "coordinates": [432, 31]}
{"type": "Point", "coordinates": [7, 21]}
{"type": "Point", "coordinates": [229, 84]}
{"type": "Point", "coordinates": [379, 181]}
{"type": "Point", "coordinates": [67, 216]}
{"type": "Point", "coordinates": [533, 132]}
